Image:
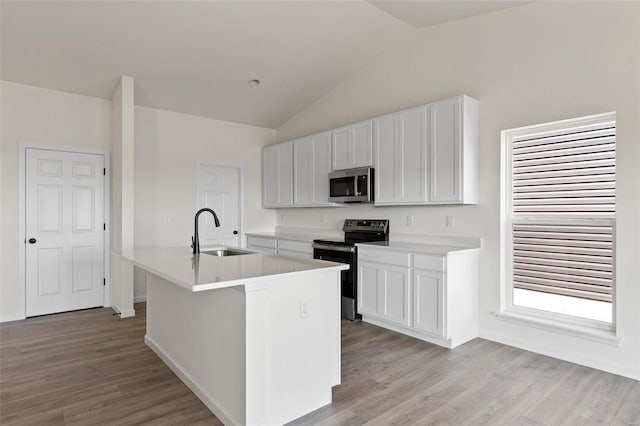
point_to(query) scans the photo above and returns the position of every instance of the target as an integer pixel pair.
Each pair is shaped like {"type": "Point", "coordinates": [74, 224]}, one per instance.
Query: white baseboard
{"type": "Point", "coordinates": [440, 341]}
{"type": "Point", "coordinates": [128, 313]}
{"type": "Point", "coordinates": [139, 299]}
{"type": "Point", "coordinates": [211, 403]}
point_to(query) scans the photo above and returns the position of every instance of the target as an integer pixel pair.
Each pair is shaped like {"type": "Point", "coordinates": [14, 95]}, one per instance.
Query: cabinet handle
{"type": "Point", "coordinates": [32, 240]}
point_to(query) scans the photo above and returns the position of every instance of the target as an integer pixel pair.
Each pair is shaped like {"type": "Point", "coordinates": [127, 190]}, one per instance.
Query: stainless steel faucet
{"type": "Point", "coordinates": [195, 240]}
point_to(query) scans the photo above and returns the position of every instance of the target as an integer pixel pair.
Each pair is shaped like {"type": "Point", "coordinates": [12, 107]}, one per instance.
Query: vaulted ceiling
{"type": "Point", "coordinates": [197, 57]}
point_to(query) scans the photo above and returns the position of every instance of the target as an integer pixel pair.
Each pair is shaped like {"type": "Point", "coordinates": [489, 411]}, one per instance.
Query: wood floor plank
{"type": "Point", "coordinates": [90, 367]}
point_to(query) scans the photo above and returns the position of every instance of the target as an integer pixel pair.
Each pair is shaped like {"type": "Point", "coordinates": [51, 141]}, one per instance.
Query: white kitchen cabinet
{"type": "Point", "coordinates": [369, 288]}
{"type": "Point", "coordinates": [428, 301]}
{"type": "Point", "coordinates": [352, 146]}
{"type": "Point", "coordinates": [383, 291]}
{"type": "Point", "coordinates": [311, 167]}
{"type": "Point", "coordinates": [400, 147]}
{"type": "Point", "coordinates": [294, 248]}
{"type": "Point", "coordinates": [453, 133]}
{"type": "Point", "coordinates": [277, 175]}
{"type": "Point", "coordinates": [268, 245]}
{"type": "Point", "coordinates": [432, 297]}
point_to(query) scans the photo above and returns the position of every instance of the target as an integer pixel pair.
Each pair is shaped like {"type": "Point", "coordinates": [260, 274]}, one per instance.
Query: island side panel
{"type": "Point", "coordinates": [201, 337]}
{"type": "Point", "coordinates": [293, 338]}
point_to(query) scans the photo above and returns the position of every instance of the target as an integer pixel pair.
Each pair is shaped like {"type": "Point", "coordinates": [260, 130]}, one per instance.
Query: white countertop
{"type": "Point", "coordinates": [206, 272]}
{"type": "Point", "coordinates": [414, 247]}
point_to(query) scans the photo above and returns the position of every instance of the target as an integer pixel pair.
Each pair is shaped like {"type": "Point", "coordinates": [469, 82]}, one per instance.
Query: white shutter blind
{"type": "Point", "coordinates": [570, 260]}
{"type": "Point", "coordinates": [556, 178]}
{"type": "Point", "coordinates": [568, 175]}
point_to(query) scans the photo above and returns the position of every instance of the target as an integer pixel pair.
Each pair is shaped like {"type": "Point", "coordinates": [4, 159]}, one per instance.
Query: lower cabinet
{"type": "Point", "coordinates": [291, 248]}
{"type": "Point", "coordinates": [268, 245]}
{"type": "Point", "coordinates": [428, 301]}
{"type": "Point", "coordinates": [431, 297]}
{"type": "Point", "coordinates": [384, 291]}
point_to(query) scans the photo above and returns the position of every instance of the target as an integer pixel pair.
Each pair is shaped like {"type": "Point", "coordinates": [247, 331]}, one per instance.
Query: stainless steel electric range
{"type": "Point", "coordinates": [345, 251]}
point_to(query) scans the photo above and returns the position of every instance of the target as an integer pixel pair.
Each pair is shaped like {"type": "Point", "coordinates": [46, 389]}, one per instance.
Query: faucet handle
{"type": "Point", "coordinates": [193, 243]}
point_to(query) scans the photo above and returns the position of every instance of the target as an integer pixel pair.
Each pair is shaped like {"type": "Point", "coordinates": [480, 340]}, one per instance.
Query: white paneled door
{"type": "Point", "coordinates": [64, 205]}
{"type": "Point", "coordinates": [219, 189]}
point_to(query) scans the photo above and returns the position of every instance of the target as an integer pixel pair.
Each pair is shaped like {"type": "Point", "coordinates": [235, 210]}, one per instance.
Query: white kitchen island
{"type": "Point", "coordinates": [256, 337]}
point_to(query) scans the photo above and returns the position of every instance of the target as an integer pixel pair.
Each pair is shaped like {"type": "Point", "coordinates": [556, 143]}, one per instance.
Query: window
{"type": "Point", "coordinates": [559, 218]}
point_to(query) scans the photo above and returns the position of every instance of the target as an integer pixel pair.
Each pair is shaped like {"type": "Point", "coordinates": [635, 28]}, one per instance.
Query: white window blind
{"type": "Point", "coordinates": [559, 179]}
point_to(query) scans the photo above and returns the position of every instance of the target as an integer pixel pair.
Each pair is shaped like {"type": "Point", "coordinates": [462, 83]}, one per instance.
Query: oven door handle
{"type": "Point", "coordinates": [344, 249]}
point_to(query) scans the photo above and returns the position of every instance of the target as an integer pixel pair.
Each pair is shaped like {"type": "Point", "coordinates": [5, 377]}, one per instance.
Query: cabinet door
{"type": "Point", "coordinates": [445, 151]}
{"type": "Point", "coordinates": [386, 167]}
{"type": "Point", "coordinates": [342, 148]}
{"type": "Point", "coordinates": [411, 181]}
{"type": "Point", "coordinates": [312, 164]}
{"type": "Point", "coordinates": [362, 144]}
{"type": "Point", "coordinates": [428, 301]}
{"type": "Point", "coordinates": [352, 146]}
{"type": "Point", "coordinates": [303, 171]}
{"type": "Point", "coordinates": [395, 288]}
{"type": "Point", "coordinates": [270, 181]}
{"type": "Point", "coordinates": [400, 145]}
{"type": "Point", "coordinates": [369, 288]}
{"type": "Point", "coordinates": [285, 173]}
{"type": "Point", "coordinates": [277, 175]}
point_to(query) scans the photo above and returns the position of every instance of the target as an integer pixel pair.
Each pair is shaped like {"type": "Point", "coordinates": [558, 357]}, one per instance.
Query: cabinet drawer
{"type": "Point", "coordinates": [261, 242]}
{"type": "Point", "coordinates": [426, 261]}
{"type": "Point", "coordinates": [299, 246]}
{"type": "Point", "coordinates": [384, 256]}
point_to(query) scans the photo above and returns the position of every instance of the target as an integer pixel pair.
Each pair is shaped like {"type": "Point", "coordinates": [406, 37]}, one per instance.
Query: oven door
{"type": "Point", "coordinates": [348, 279]}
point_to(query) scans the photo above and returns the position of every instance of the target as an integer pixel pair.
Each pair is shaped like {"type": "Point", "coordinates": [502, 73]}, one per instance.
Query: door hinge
{"type": "Point", "coordinates": [104, 281]}
{"type": "Point", "coordinates": [104, 171]}
{"type": "Point", "coordinates": [104, 226]}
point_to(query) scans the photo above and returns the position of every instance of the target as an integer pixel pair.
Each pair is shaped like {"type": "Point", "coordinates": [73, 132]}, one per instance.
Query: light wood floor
{"type": "Point", "coordinates": [89, 367]}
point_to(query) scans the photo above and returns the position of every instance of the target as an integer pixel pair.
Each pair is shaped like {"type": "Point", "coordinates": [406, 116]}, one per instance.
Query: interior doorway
{"type": "Point", "coordinates": [219, 188]}
{"type": "Point", "coordinates": [64, 230]}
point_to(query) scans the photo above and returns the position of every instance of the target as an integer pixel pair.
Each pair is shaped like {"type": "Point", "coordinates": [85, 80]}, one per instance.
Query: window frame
{"type": "Point", "coordinates": [507, 221]}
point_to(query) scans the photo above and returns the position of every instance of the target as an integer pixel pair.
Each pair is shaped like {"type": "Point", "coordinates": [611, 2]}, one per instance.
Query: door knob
{"type": "Point", "coordinates": [235, 232]}
{"type": "Point", "coordinates": [32, 240]}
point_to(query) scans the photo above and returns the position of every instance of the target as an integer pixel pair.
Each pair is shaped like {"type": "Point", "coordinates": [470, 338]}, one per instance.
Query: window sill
{"type": "Point", "coordinates": [608, 337]}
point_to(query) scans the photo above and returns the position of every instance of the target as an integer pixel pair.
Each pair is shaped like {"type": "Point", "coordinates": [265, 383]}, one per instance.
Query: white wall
{"type": "Point", "coordinates": [41, 116]}
{"type": "Point", "coordinates": [122, 196]}
{"type": "Point", "coordinates": [168, 147]}
{"type": "Point", "coordinates": [526, 65]}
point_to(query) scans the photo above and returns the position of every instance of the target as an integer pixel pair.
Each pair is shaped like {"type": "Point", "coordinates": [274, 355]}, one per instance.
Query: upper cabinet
{"type": "Point", "coordinates": [277, 175]}
{"type": "Point", "coordinates": [427, 155]}
{"type": "Point", "coordinates": [423, 155]}
{"type": "Point", "coordinates": [453, 161]}
{"type": "Point", "coordinates": [311, 167]}
{"type": "Point", "coordinates": [352, 146]}
{"type": "Point", "coordinates": [401, 157]}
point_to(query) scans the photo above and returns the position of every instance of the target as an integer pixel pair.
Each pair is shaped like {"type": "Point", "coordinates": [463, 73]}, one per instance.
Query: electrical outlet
{"type": "Point", "coordinates": [304, 309]}
{"type": "Point", "coordinates": [323, 218]}
{"type": "Point", "coordinates": [410, 221]}
{"type": "Point", "coordinates": [450, 222]}
{"type": "Point", "coordinates": [283, 217]}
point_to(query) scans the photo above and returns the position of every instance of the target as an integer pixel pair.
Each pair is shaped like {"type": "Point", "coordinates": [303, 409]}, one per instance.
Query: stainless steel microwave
{"type": "Point", "coordinates": [351, 186]}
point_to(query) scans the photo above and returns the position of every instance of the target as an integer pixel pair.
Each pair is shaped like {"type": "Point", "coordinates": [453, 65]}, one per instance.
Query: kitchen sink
{"type": "Point", "coordinates": [220, 252]}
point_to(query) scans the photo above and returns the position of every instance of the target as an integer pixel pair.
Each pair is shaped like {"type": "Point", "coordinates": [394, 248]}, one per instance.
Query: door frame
{"type": "Point", "coordinates": [22, 209]}
{"type": "Point", "coordinates": [240, 168]}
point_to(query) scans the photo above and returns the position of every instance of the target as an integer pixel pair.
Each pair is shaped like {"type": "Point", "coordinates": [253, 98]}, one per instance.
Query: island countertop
{"type": "Point", "coordinates": [199, 272]}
